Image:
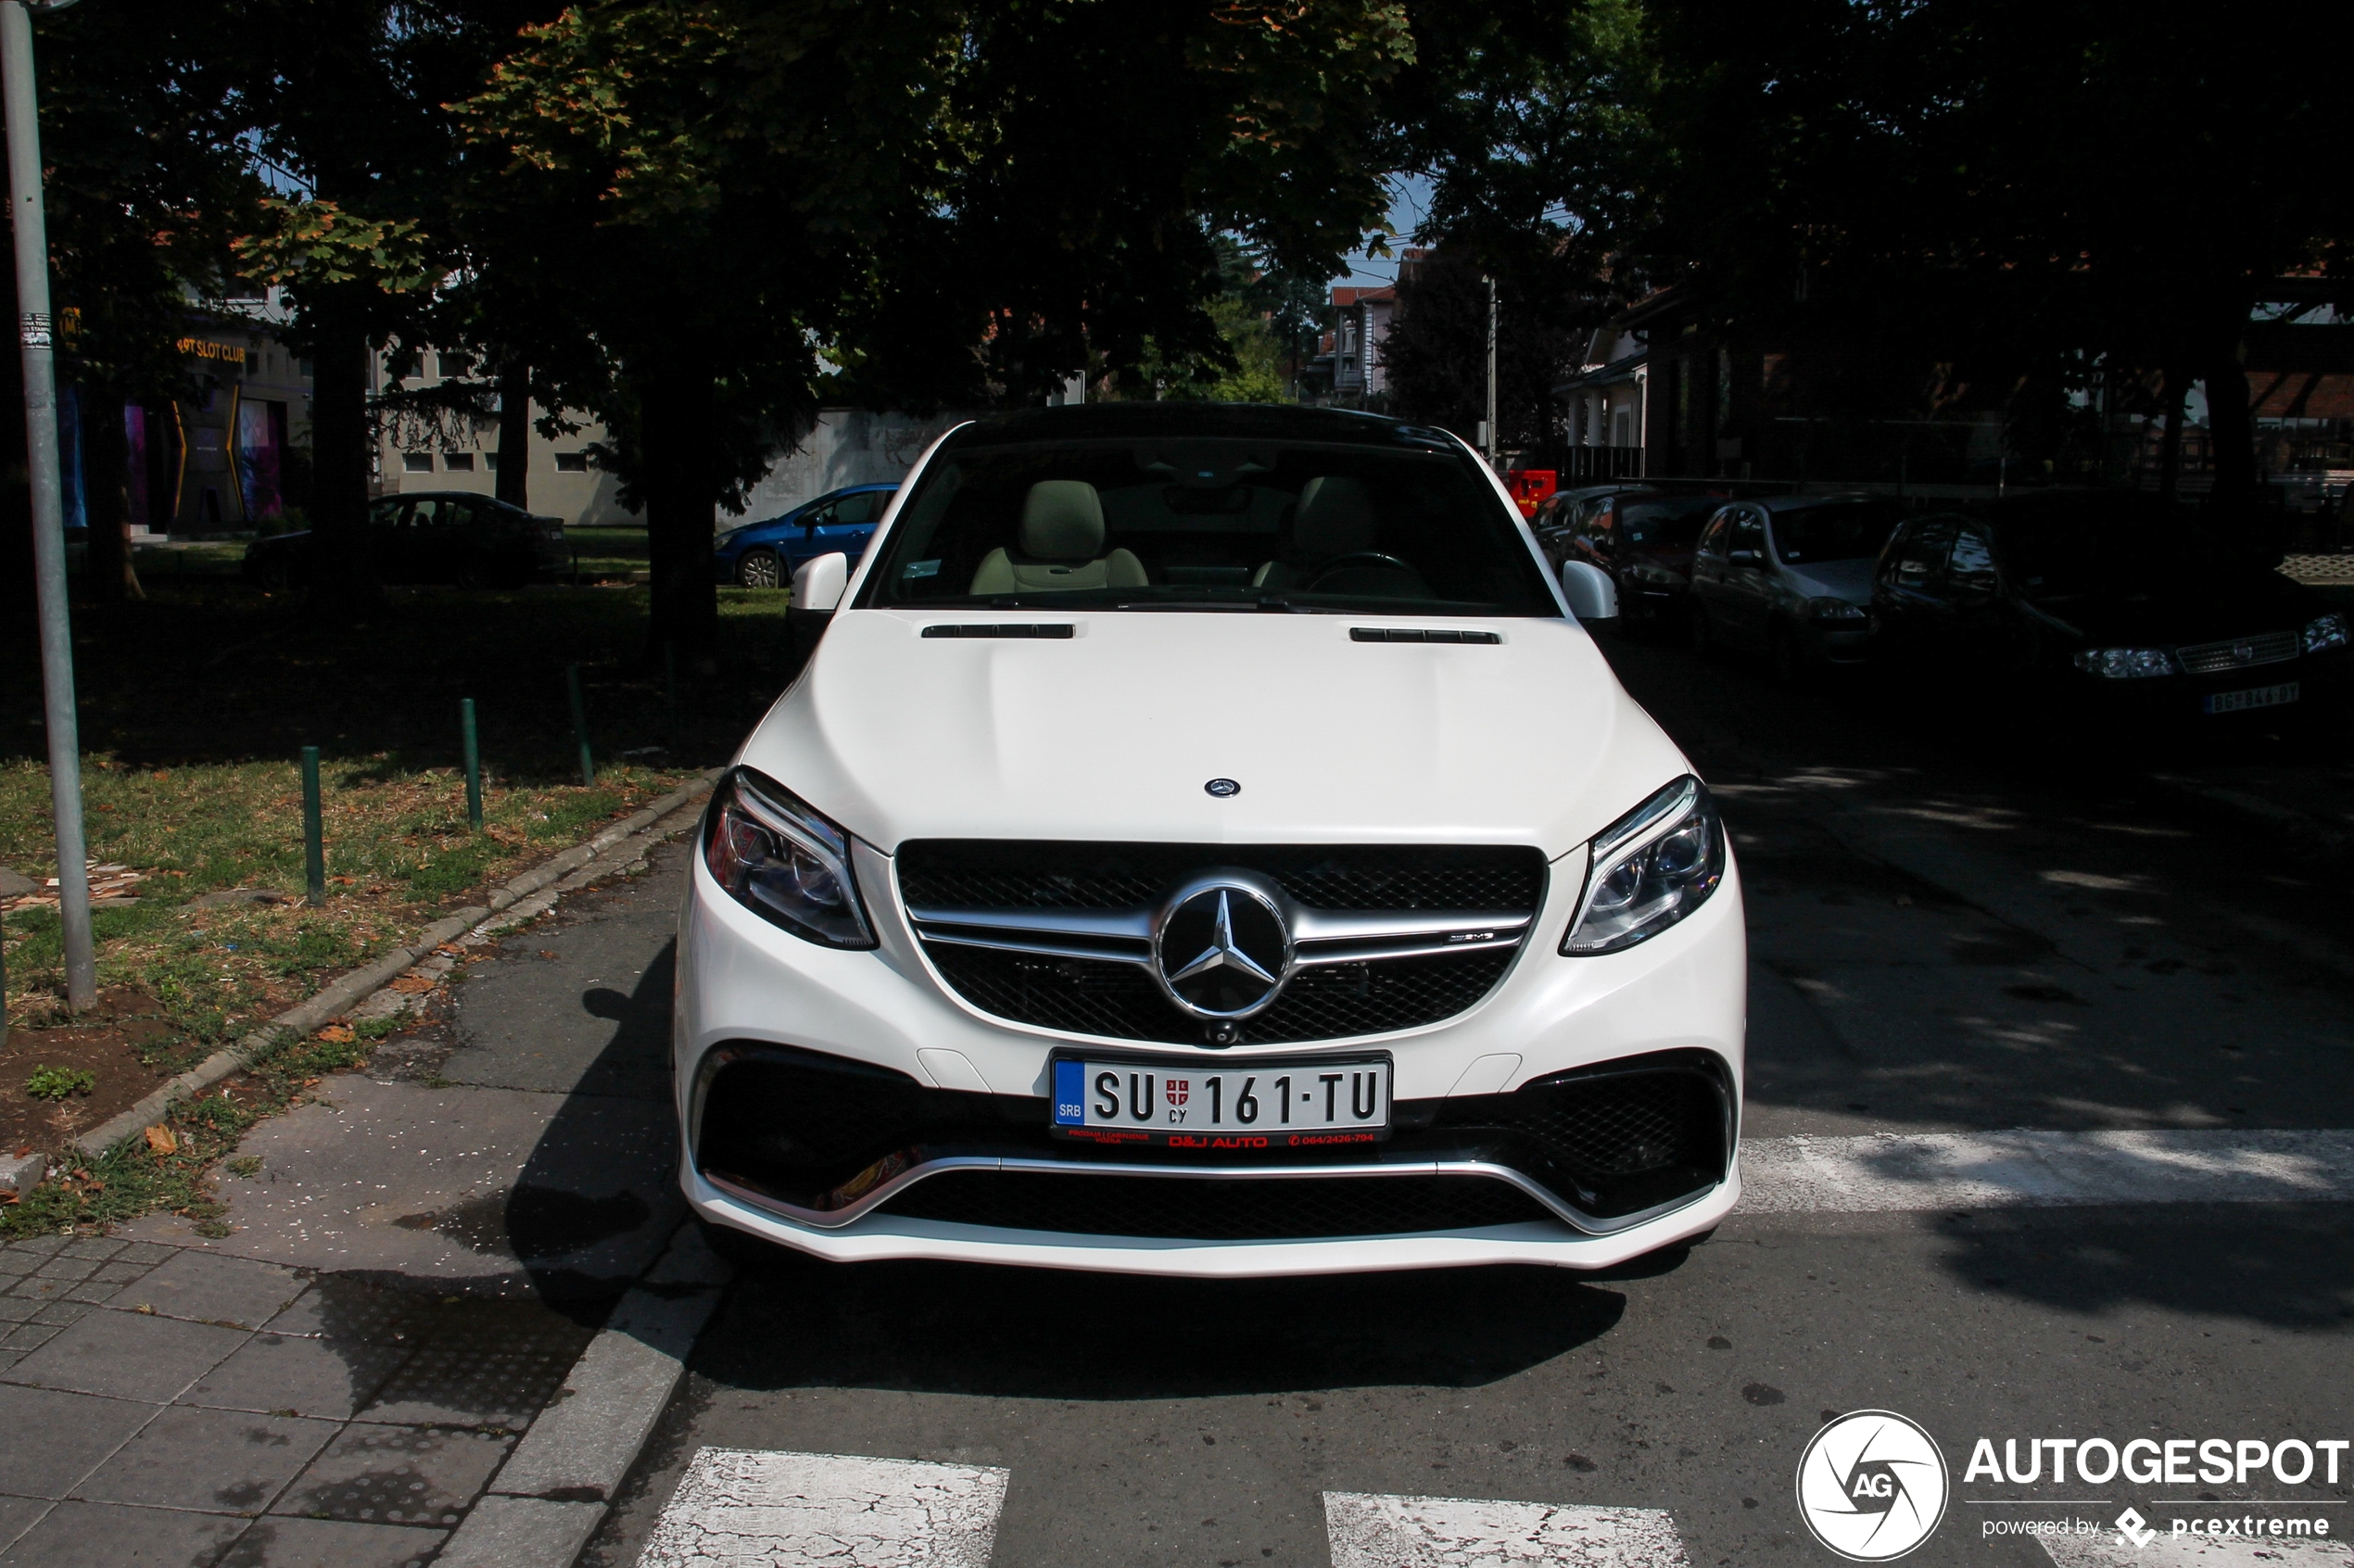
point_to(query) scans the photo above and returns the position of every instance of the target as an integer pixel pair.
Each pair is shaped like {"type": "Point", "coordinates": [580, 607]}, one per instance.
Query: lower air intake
{"type": "Point", "coordinates": [1165, 1207]}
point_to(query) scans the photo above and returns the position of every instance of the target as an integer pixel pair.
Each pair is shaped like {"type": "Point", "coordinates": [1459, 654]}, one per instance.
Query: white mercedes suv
{"type": "Point", "coordinates": [1204, 841]}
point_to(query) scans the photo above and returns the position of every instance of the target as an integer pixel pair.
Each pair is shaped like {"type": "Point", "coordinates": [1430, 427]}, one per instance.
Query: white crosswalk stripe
{"type": "Point", "coordinates": [2027, 1168]}
{"type": "Point", "coordinates": [752, 1507]}
{"type": "Point", "coordinates": [2192, 1551]}
{"type": "Point", "coordinates": [1375, 1530]}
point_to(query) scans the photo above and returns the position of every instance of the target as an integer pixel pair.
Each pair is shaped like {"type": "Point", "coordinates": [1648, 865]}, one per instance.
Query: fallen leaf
{"type": "Point", "coordinates": [23, 1150]}
{"type": "Point", "coordinates": [163, 1140]}
{"type": "Point", "coordinates": [95, 1186]}
{"type": "Point", "coordinates": [336, 1034]}
{"type": "Point", "coordinates": [144, 1310]}
{"type": "Point", "coordinates": [412, 985]}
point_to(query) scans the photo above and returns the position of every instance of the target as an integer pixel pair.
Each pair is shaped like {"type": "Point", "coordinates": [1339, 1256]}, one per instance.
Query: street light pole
{"type": "Point", "coordinates": [1490, 426]}
{"type": "Point", "coordinates": [35, 333]}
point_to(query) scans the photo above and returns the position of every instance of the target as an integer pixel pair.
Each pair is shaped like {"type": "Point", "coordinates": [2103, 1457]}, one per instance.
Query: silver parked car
{"type": "Point", "coordinates": [1791, 577]}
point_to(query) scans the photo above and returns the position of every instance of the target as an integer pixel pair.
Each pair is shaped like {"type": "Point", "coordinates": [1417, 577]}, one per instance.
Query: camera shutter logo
{"type": "Point", "coordinates": [1872, 1485]}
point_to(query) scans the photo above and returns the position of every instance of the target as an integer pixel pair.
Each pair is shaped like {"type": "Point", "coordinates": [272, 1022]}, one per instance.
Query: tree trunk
{"type": "Point", "coordinates": [339, 445]}
{"type": "Point", "coordinates": [2170, 450]}
{"type": "Point", "coordinates": [514, 434]}
{"type": "Point", "coordinates": [2231, 429]}
{"type": "Point", "coordinates": [105, 464]}
{"type": "Point", "coordinates": [676, 409]}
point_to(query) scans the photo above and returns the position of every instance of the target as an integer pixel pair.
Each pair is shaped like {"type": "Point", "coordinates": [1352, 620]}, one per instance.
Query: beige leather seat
{"type": "Point", "coordinates": [1061, 546]}
{"type": "Point", "coordinates": [1335, 518]}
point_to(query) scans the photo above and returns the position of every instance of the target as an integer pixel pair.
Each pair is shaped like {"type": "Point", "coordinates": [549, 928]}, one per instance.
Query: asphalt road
{"type": "Point", "coordinates": [1959, 923]}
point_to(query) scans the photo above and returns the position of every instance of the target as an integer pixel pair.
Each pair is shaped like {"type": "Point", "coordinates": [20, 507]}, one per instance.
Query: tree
{"type": "Point", "coordinates": [1436, 355]}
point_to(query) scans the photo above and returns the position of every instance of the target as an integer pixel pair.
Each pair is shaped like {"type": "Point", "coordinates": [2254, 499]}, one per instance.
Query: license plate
{"type": "Point", "coordinates": [1261, 1105]}
{"type": "Point", "coordinates": [2260, 697]}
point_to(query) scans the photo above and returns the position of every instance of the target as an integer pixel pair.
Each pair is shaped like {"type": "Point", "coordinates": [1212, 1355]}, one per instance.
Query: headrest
{"type": "Point", "coordinates": [1063, 519]}
{"type": "Point", "coordinates": [1335, 518]}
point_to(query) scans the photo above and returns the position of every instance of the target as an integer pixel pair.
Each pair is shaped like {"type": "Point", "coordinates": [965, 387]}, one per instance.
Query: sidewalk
{"type": "Point", "coordinates": [414, 1279]}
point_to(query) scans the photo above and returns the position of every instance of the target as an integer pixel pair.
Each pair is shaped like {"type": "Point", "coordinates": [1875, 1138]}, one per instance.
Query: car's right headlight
{"type": "Point", "coordinates": [784, 861]}
{"type": "Point", "coordinates": [1648, 869]}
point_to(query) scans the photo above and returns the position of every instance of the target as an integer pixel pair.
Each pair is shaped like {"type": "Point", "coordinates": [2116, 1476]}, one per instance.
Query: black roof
{"type": "Point", "coordinates": [1174, 421]}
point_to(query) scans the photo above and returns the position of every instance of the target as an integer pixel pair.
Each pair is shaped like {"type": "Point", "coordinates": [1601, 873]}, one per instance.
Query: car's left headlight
{"type": "Point", "coordinates": [1648, 869]}
{"type": "Point", "coordinates": [2325, 632]}
{"type": "Point", "coordinates": [1834, 610]}
{"type": "Point", "coordinates": [785, 862]}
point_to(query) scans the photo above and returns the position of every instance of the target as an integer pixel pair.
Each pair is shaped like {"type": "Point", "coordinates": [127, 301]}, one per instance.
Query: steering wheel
{"type": "Point", "coordinates": [1362, 558]}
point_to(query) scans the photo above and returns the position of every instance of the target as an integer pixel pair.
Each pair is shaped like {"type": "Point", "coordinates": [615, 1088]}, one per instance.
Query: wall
{"type": "Point", "coordinates": [848, 446]}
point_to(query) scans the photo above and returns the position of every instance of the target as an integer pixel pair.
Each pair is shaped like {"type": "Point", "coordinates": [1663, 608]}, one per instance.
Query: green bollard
{"type": "Point", "coordinates": [580, 727]}
{"type": "Point", "coordinates": [314, 847]}
{"type": "Point", "coordinates": [473, 763]}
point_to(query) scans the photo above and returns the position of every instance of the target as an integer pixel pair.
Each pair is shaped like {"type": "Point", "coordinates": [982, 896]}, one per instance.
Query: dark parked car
{"type": "Point", "coordinates": [1791, 577]}
{"type": "Point", "coordinates": [2118, 598]}
{"type": "Point", "coordinates": [1644, 539]}
{"type": "Point", "coordinates": [767, 554]}
{"type": "Point", "coordinates": [436, 537]}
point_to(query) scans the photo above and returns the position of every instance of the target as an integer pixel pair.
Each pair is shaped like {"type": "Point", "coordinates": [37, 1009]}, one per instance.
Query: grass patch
{"type": "Point", "coordinates": [608, 553]}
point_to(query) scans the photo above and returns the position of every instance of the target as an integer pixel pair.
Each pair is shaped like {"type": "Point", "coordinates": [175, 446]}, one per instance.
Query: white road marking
{"type": "Point", "coordinates": [1373, 1530]}
{"type": "Point", "coordinates": [2024, 1168]}
{"type": "Point", "coordinates": [2193, 1551]}
{"type": "Point", "coordinates": [762, 1509]}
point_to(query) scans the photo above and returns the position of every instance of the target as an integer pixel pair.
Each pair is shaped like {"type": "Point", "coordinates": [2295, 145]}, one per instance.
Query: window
{"type": "Point", "coordinates": [457, 463]}
{"type": "Point", "coordinates": [385, 514]}
{"type": "Point", "coordinates": [416, 462]}
{"type": "Point", "coordinates": [1923, 555]}
{"type": "Point", "coordinates": [863, 508]}
{"type": "Point", "coordinates": [1749, 531]}
{"type": "Point", "coordinates": [1712, 538]}
{"type": "Point", "coordinates": [1969, 571]}
{"type": "Point", "coordinates": [572, 462]}
{"type": "Point", "coordinates": [490, 461]}
{"type": "Point", "coordinates": [1834, 531]}
{"type": "Point", "coordinates": [456, 367]}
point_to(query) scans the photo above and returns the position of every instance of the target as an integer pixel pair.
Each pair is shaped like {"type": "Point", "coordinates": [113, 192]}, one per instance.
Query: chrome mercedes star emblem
{"type": "Point", "coordinates": [1222, 946]}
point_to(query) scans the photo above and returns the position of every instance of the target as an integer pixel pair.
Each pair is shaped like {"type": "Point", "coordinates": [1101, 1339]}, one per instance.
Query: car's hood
{"type": "Point", "coordinates": [1113, 733]}
{"type": "Point", "coordinates": [1850, 581]}
{"type": "Point", "coordinates": [2175, 610]}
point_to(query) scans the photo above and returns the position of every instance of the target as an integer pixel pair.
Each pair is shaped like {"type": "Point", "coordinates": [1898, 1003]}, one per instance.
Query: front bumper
{"type": "Point", "coordinates": [967, 1171]}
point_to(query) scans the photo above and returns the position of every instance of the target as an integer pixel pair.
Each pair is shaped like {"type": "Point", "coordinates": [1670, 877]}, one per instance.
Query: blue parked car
{"type": "Point", "coordinates": [766, 554]}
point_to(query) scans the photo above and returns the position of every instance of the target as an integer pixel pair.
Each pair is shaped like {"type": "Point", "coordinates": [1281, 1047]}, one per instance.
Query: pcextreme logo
{"type": "Point", "coordinates": [1872, 1485]}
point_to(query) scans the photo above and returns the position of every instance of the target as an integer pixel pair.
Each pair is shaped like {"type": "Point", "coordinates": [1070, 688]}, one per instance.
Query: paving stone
{"type": "Point", "coordinates": [119, 1272]}
{"type": "Point", "coordinates": [96, 1248]}
{"type": "Point", "coordinates": [10, 1357]}
{"type": "Point", "coordinates": [511, 1532]}
{"type": "Point", "coordinates": [471, 1388]}
{"type": "Point", "coordinates": [396, 1475]}
{"type": "Point", "coordinates": [18, 1309]}
{"type": "Point", "coordinates": [207, 1288]}
{"type": "Point", "coordinates": [29, 1337]}
{"type": "Point", "coordinates": [144, 1255]}
{"type": "Point", "coordinates": [221, 1461]}
{"type": "Point", "coordinates": [17, 1515]}
{"type": "Point", "coordinates": [89, 1292]}
{"type": "Point", "coordinates": [345, 1309]}
{"type": "Point", "coordinates": [308, 1376]}
{"type": "Point", "coordinates": [40, 1247]}
{"type": "Point", "coordinates": [15, 1260]}
{"type": "Point", "coordinates": [128, 1356]}
{"type": "Point", "coordinates": [60, 1314]}
{"type": "Point", "coordinates": [80, 1535]}
{"type": "Point", "coordinates": [66, 1265]}
{"type": "Point", "coordinates": [331, 1543]}
{"type": "Point", "coordinates": [49, 1440]}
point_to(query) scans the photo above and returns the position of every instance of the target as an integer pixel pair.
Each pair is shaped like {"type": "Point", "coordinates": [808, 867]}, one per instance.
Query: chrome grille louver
{"type": "Point", "coordinates": [2238, 654]}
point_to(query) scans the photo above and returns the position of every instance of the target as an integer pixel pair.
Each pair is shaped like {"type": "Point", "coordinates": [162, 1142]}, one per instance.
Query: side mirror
{"type": "Point", "coordinates": [818, 585]}
{"type": "Point", "coordinates": [1591, 594]}
{"type": "Point", "coordinates": [1744, 557]}
{"type": "Point", "coordinates": [816, 594]}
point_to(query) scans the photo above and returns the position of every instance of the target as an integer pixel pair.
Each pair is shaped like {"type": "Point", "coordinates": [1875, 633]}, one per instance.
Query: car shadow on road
{"type": "Point", "coordinates": [1039, 1334]}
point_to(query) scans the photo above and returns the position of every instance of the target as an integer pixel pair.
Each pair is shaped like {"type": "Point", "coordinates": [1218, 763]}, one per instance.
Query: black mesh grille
{"type": "Point", "coordinates": [1081, 997]}
{"type": "Point", "coordinates": [1005, 874]}
{"type": "Point", "coordinates": [1611, 1140]}
{"type": "Point", "coordinates": [1234, 1209]}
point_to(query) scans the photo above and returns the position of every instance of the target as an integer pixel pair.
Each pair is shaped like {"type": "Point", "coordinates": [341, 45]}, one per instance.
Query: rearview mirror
{"type": "Point", "coordinates": [1591, 594]}
{"type": "Point", "coordinates": [816, 594]}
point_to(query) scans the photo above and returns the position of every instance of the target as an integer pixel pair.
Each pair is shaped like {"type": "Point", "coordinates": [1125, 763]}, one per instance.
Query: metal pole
{"type": "Point", "coordinates": [314, 842]}
{"type": "Point", "coordinates": [1492, 436]}
{"type": "Point", "coordinates": [580, 726]}
{"type": "Point", "coordinates": [473, 763]}
{"type": "Point", "coordinates": [33, 336]}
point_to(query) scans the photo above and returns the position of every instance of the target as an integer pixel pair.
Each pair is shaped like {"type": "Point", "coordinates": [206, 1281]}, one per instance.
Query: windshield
{"type": "Point", "coordinates": [1666, 525]}
{"type": "Point", "coordinates": [1219, 521]}
{"type": "Point", "coordinates": [1834, 531]}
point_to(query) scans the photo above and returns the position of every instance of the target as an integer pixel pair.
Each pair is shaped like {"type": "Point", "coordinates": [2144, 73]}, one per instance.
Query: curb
{"type": "Point", "coordinates": [559, 1482]}
{"type": "Point", "coordinates": [560, 874]}
{"type": "Point", "coordinates": [2331, 839]}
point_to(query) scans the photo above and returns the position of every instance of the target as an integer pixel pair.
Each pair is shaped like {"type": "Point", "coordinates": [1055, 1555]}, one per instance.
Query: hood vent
{"type": "Point", "coordinates": [1018, 629]}
{"type": "Point", "coordinates": [1412, 634]}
